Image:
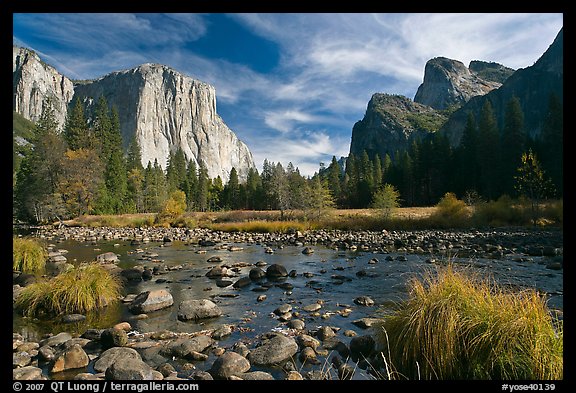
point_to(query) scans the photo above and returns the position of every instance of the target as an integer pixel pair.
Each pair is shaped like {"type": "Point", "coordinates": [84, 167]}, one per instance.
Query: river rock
{"type": "Point", "coordinates": [242, 282]}
{"type": "Point", "coordinates": [312, 307]}
{"type": "Point", "coordinates": [305, 340]}
{"type": "Point", "coordinates": [222, 283]}
{"type": "Point", "coordinates": [129, 369]}
{"type": "Point", "coordinates": [221, 332]}
{"type": "Point", "coordinates": [256, 376]}
{"type": "Point", "coordinates": [217, 271]}
{"type": "Point", "coordinates": [72, 358]}
{"type": "Point", "coordinates": [276, 270]}
{"type": "Point", "coordinates": [132, 274]}
{"type": "Point", "coordinates": [150, 301]}
{"type": "Point", "coordinates": [325, 332]}
{"type": "Point", "coordinates": [274, 350]}
{"type": "Point", "coordinates": [365, 323]}
{"type": "Point", "coordinates": [297, 324]}
{"type": "Point", "coordinates": [186, 347]}
{"type": "Point", "coordinates": [308, 355]}
{"type": "Point", "coordinates": [113, 338]}
{"type": "Point", "coordinates": [27, 373]}
{"type": "Point", "coordinates": [230, 363]}
{"type": "Point", "coordinates": [283, 309]}
{"type": "Point", "coordinates": [308, 251]}
{"type": "Point", "coordinates": [56, 340]}
{"type": "Point", "coordinates": [361, 347]}
{"type": "Point", "coordinates": [107, 257]}
{"type": "Point", "coordinates": [198, 309]}
{"type": "Point", "coordinates": [214, 259]}
{"type": "Point", "coordinates": [113, 355]}
{"type": "Point", "coordinates": [21, 359]}
{"type": "Point", "coordinates": [364, 301]}
{"type": "Point", "coordinates": [25, 279]}
{"type": "Point", "coordinates": [73, 318]}
{"type": "Point", "coordinates": [256, 274]}
{"type": "Point", "coordinates": [294, 376]}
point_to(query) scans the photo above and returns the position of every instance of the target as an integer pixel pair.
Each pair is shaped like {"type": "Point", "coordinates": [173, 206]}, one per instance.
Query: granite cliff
{"type": "Point", "coordinates": [163, 108]}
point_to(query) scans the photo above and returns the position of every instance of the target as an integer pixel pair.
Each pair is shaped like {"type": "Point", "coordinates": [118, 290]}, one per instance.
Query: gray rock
{"type": "Point", "coordinates": [217, 271]}
{"type": "Point", "coordinates": [366, 323]}
{"type": "Point", "coordinates": [92, 334]}
{"type": "Point", "coordinates": [273, 351]}
{"type": "Point", "coordinates": [46, 353]}
{"type": "Point", "coordinates": [230, 363]}
{"type": "Point", "coordinates": [276, 271]}
{"type": "Point", "coordinates": [27, 373]}
{"type": "Point", "coordinates": [21, 359]}
{"type": "Point", "coordinates": [56, 340]}
{"type": "Point", "coordinates": [129, 369]}
{"type": "Point", "coordinates": [198, 309]}
{"type": "Point", "coordinates": [107, 257]}
{"type": "Point", "coordinates": [221, 283]}
{"type": "Point", "coordinates": [256, 274]}
{"type": "Point", "coordinates": [33, 80]}
{"type": "Point", "coordinates": [325, 332]}
{"type": "Point", "coordinates": [132, 274]}
{"type": "Point", "coordinates": [149, 301]}
{"type": "Point", "coordinates": [241, 349]}
{"type": "Point", "coordinates": [308, 355]}
{"type": "Point", "coordinates": [283, 309]}
{"type": "Point", "coordinates": [187, 347]}
{"type": "Point", "coordinates": [201, 376]}
{"type": "Point", "coordinates": [25, 279]}
{"type": "Point", "coordinates": [113, 355]}
{"type": "Point", "coordinates": [256, 376]}
{"type": "Point", "coordinates": [312, 307]}
{"type": "Point", "coordinates": [305, 340]}
{"type": "Point", "coordinates": [297, 324]}
{"type": "Point", "coordinates": [242, 282]}
{"type": "Point", "coordinates": [308, 251]}
{"type": "Point", "coordinates": [214, 259]}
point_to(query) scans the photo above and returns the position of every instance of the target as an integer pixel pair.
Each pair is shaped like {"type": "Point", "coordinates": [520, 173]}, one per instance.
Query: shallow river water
{"type": "Point", "coordinates": [327, 276]}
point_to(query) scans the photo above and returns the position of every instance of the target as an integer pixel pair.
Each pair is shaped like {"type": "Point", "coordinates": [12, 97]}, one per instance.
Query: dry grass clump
{"type": "Point", "coordinates": [456, 327]}
{"type": "Point", "coordinates": [28, 255]}
{"type": "Point", "coordinates": [79, 290]}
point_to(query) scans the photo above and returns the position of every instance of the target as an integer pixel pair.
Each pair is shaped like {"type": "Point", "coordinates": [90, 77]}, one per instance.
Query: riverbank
{"type": "Point", "coordinates": [316, 302]}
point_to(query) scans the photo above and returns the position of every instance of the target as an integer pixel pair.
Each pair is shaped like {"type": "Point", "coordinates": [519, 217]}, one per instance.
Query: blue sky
{"type": "Point", "coordinates": [291, 86]}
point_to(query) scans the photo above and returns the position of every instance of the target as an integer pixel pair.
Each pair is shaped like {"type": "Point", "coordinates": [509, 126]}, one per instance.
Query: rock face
{"type": "Point", "coordinates": [167, 110]}
{"type": "Point", "coordinates": [33, 81]}
{"type": "Point", "coordinates": [390, 124]}
{"type": "Point", "coordinates": [449, 82]}
{"type": "Point", "coordinates": [164, 109]}
{"type": "Point", "coordinates": [532, 85]}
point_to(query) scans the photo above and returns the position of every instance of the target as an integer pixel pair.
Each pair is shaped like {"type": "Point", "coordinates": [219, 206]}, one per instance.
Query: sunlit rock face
{"type": "Point", "coordinates": [167, 110]}
{"type": "Point", "coordinates": [163, 108]}
{"type": "Point", "coordinates": [33, 81]}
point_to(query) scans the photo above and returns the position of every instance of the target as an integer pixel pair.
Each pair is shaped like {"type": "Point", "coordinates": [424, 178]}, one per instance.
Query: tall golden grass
{"type": "Point", "coordinates": [28, 255]}
{"type": "Point", "coordinates": [79, 290]}
{"type": "Point", "coordinates": [455, 326]}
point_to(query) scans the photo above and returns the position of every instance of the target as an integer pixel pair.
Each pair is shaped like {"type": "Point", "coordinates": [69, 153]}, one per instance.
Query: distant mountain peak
{"type": "Point", "coordinates": [449, 82]}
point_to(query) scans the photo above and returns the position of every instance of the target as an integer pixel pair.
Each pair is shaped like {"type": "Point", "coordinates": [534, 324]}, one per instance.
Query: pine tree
{"type": "Point", "coordinates": [334, 179]}
{"type": "Point", "coordinates": [513, 143]}
{"type": "Point", "coordinates": [254, 190]}
{"type": "Point", "coordinates": [467, 158]}
{"type": "Point", "coordinates": [488, 154]}
{"type": "Point", "coordinates": [191, 185]}
{"type": "Point", "coordinates": [76, 131]}
{"type": "Point", "coordinates": [176, 171]}
{"type": "Point", "coordinates": [552, 142]}
{"type": "Point", "coordinates": [232, 190]}
{"type": "Point", "coordinates": [203, 191]}
{"type": "Point", "coordinates": [351, 181]}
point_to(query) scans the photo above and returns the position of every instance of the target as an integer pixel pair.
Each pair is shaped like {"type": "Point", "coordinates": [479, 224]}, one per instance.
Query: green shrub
{"type": "Point", "coordinates": [456, 327]}
{"type": "Point", "coordinates": [174, 207]}
{"type": "Point", "coordinates": [28, 255]}
{"type": "Point", "coordinates": [450, 212]}
{"type": "Point", "coordinates": [79, 290]}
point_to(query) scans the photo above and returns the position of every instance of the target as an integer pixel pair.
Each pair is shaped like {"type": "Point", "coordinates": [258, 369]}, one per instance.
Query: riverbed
{"type": "Point", "coordinates": [328, 274]}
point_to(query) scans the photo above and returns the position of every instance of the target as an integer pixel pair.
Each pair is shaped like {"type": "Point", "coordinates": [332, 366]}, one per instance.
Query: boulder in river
{"type": "Point", "coordinates": [273, 351]}
{"type": "Point", "coordinates": [276, 270]}
{"type": "Point", "coordinates": [198, 309]}
{"type": "Point", "coordinates": [150, 301]}
{"type": "Point", "coordinates": [230, 363]}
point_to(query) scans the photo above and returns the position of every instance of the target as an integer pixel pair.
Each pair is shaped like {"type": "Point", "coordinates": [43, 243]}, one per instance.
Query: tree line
{"type": "Point", "coordinates": [484, 165]}
{"type": "Point", "coordinates": [83, 169]}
